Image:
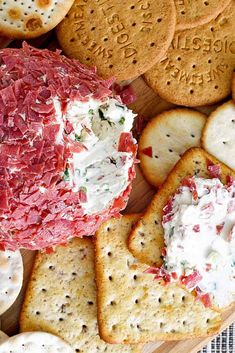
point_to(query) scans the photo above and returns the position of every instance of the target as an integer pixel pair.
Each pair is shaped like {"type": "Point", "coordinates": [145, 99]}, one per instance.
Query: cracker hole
{"type": "Point", "coordinates": [167, 135]}
{"type": "Point", "coordinates": [168, 83]}
{"type": "Point", "coordinates": [170, 150]}
{"type": "Point", "coordinates": [132, 7]}
{"type": "Point", "coordinates": [113, 302]}
{"type": "Point", "coordinates": [92, 11]}
{"type": "Point", "coordinates": [159, 20]}
{"type": "Point", "coordinates": [136, 301]}
{"type": "Point", "coordinates": [74, 274]}
{"type": "Point", "coordinates": [141, 234]}
{"type": "Point", "coordinates": [206, 3]}
{"type": "Point", "coordinates": [61, 319]}
{"type": "Point", "coordinates": [37, 312]}
{"type": "Point", "coordinates": [134, 61]}
{"type": "Point", "coordinates": [111, 66]}
{"type": "Point", "coordinates": [212, 29]}
{"type": "Point", "coordinates": [152, 44]}
{"type": "Point", "coordinates": [133, 24]}
{"type": "Point", "coordinates": [138, 326]}
{"type": "Point", "coordinates": [159, 300]}
{"type": "Point", "coordinates": [110, 278]}
{"type": "Point", "coordinates": [191, 91]}
{"type": "Point", "coordinates": [224, 142]}
{"type": "Point", "coordinates": [108, 229]}
{"type": "Point", "coordinates": [109, 253]}
{"type": "Point", "coordinates": [92, 28]}
{"type": "Point", "coordinates": [105, 39]}
{"type": "Point", "coordinates": [72, 40]}
{"type": "Point", "coordinates": [233, 121]}
{"type": "Point", "coordinates": [90, 302]}
{"type": "Point", "coordinates": [77, 350]}
{"type": "Point", "coordinates": [141, 243]}
{"type": "Point", "coordinates": [182, 12]}
{"type": "Point", "coordinates": [114, 327]}
{"type": "Point", "coordinates": [156, 222]}
{"type": "Point", "coordinates": [134, 277]}
{"type": "Point", "coordinates": [193, 66]}
{"type": "Point", "coordinates": [44, 290]}
{"type": "Point", "coordinates": [207, 321]}
{"type": "Point", "coordinates": [183, 298]}
{"type": "Point", "coordinates": [179, 58]}
{"type": "Point", "coordinates": [161, 324]}
{"type": "Point", "coordinates": [184, 322]}
{"type": "Point", "coordinates": [67, 296]}
{"type": "Point", "coordinates": [192, 135]}
{"type": "Point", "coordinates": [51, 267]}
{"type": "Point", "coordinates": [84, 328]}
{"type": "Point", "coordinates": [216, 87]}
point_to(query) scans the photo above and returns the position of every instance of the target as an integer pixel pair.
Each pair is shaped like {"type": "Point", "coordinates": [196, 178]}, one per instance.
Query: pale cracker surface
{"type": "Point", "coordinates": [147, 238]}
{"type": "Point", "coordinates": [11, 278]}
{"type": "Point", "coordinates": [31, 18]}
{"type": "Point", "coordinates": [169, 135]}
{"type": "Point", "coordinates": [35, 342]}
{"type": "Point", "coordinates": [61, 299]}
{"type": "Point", "coordinates": [219, 134]}
{"type": "Point", "coordinates": [132, 306]}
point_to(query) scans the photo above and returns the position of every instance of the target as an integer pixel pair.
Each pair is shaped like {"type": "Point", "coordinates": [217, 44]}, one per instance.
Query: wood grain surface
{"type": "Point", "coordinates": [148, 104]}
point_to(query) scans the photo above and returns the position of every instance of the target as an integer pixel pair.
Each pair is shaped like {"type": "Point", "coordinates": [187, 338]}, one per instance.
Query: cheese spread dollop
{"type": "Point", "coordinates": [99, 171]}
{"type": "Point", "coordinates": [199, 233]}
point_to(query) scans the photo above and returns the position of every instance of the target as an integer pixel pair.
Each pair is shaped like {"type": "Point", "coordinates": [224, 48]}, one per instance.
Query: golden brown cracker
{"type": "Point", "coordinates": [197, 68]}
{"type": "Point", "coordinates": [61, 298]}
{"type": "Point", "coordinates": [192, 13]}
{"type": "Point", "coordinates": [132, 307]}
{"type": "Point", "coordinates": [121, 38]}
{"type": "Point", "coordinates": [147, 238]}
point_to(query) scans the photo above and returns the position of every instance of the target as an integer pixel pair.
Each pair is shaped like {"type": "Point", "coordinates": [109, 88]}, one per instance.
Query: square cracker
{"type": "Point", "coordinates": [61, 299]}
{"type": "Point", "coordinates": [132, 307]}
{"type": "Point", "coordinates": [147, 238]}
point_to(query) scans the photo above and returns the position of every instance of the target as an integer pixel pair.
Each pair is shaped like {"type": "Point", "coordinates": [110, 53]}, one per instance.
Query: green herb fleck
{"type": "Point", "coordinates": [120, 106]}
{"type": "Point", "coordinates": [66, 175]}
{"type": "Point", "coordinates": [91, 111]}
{"type": "Point", "coordinates": [77, 137]}
{"type": "Point", "coordinates": [171, 232]}
{"type": "Point", "coordinates": [83, 188]}
{"type": "Point", "coordinates": [122, 120]}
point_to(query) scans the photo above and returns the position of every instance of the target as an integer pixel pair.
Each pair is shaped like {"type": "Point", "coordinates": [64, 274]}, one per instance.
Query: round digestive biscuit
{"type": "Point", "coordinates": [165, 139]}
{"type": "Point", "coordinates": [192, 13]}
{"type": "Point", "coordinates": [31, 18]}
{"type": "Point", "coordinates": [122, 38]}
{"type": "Point", "coordinates": [219, 134]}
{"type": "Point", "coordinates": [11, 278]}
{"type": "Point", "coordinates": [197, 68]}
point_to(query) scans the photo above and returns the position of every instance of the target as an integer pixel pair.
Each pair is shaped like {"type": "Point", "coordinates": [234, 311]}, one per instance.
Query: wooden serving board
{"type": "Point", "coordinates": [148, 104]}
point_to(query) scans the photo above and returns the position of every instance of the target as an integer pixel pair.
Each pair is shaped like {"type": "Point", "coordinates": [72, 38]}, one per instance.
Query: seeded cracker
{"type": "Point", "coordinates": [147, 238]}
{"type": "Point", "coordinates": [197, 68]}
{"type": "Point", "coordinates": [31, 18]}
{"type": "Point", "coordinates": [165, 139]}
{"type": "Point", "coordinates": [123, 38]}
{"type": "Point", "coordinates": [192, 13]}
{"type": "Point", "coordinates": [219, 134]}
{"type": "Point", "coordinates": [61, 299]}
{"type": "Point", "coordinates": [132, 307]}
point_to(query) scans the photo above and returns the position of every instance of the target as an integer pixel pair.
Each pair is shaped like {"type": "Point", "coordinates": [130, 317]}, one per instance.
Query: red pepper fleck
{"type": "Point", "coordinates": [196, 228]}
{"type": "Point", "coordinates": [214, 169]}
{"type": "Point", "coordinates": [205, 298]}
{"type": "Point", "coordinates": [190, 183]}
{"type": "Point", "coordinates": [208, 267]}
{"type": "Point", "coordinates": [82, 195]}
{"type": "Point", "coordinates": [219, 228]}
{"type": "Point", "coordinates": [230, 180]}
{"type": "Point", "coordinates": [192, 280]}
{"type": "Point", "coordinates": [163, 252]}
{"type": "Point", "coordinates": [148, 151]}
{"type": "Point", "coordinates": [174, 275]}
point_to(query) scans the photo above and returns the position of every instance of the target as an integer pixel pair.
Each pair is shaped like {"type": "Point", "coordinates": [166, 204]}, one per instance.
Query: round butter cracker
{"type": "Point", "coordinates": [197, 68]}
{"type": "Point", "coordinates": [165, 139]}
{"type": "Point", "coordinates": [34, 342]}
{"type": "Point", "coordinates": [219, 134]}
{"type": "Point", "coordinates": [192, 13]}
{"type": "Point", "coordinates": [31, 18]}
{"type": "Point", "coordinates": [11, 278]}
{"type": "Point", "coordinates": [3, 337]}
{"type": "Point", "coordinates": [121, 38]}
